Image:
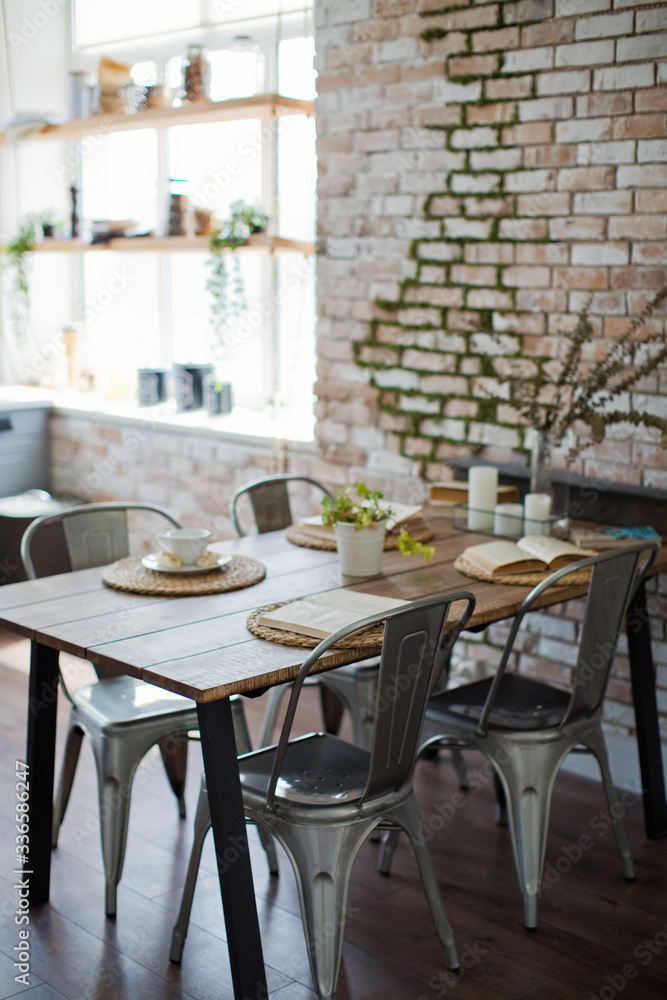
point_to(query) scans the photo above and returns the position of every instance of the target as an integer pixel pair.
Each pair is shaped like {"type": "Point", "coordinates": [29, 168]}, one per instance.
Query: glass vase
{"type": "Point", "coordinates": [540, 462]}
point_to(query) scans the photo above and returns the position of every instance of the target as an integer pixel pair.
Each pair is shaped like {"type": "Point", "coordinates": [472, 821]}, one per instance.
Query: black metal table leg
{"type": "Point", "coordinates": [41, 751]}
{"type": "Point", "coordinates": [231, 847]}
{"type": "Point", "coordinates": [646, 715]}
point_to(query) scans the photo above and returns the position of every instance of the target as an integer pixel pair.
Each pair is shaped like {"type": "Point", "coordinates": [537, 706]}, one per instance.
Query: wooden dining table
{"type": "Point", "coordinates": [199, 646]}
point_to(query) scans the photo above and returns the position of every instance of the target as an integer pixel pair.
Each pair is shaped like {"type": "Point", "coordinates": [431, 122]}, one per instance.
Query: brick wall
{"type": "Point", "coordinates": [485, 172]}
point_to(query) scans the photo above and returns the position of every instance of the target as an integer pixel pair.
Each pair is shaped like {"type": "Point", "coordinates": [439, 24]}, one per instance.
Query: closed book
{"type": "Point", "coordinates": [449, 494]}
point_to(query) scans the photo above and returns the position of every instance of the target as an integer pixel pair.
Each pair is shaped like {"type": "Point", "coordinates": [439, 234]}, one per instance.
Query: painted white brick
{"type": "Point", "coordinates": [565, 8]}
{"type": "Point", "coordinates": [438, 251]}
{"type": "Point", "coordinates": [569, 82]}
{"type": "Point", "coordinates": [600, 254]}
{"type": "Point", "coordinates": [546, 109]}
{"type": "Point", "coordinates": [651, 20]}
{"type": "Point", "coordinates": [473, 229]}
{"type": "Point", "coordinates": [559, 652]}
{"type": "Point", "coordinates": [445, 92]}
{"type": "Point", "coordinates": [652, 151]}
{"type": "Point", "coordinates": [604, 27]}
{"type": "Point", "coordinates": [501, 344]}
{"type": "Point", "coordinates": [349, 11]}
{"type": "Point", "coordinates": [529, 180]}
{"type": "Point", "coordinates": [474, 138]}
{"type": "Point", "coordinates": [455, 430]}
{"type": "Point", "coordinates": [471, 183]}
{"type": "Point", "coordinates": [584, 130]}
{"type": "Point", "coordinates": [647, 175]}
{"type": "Point", "coordinates": [662, 73]}
{"type": "Point", "coordinates": [397, 378]}
{"type": "Point", "coordinates": [623, 77]}
{"type": "Point", "coordinates": [549, 625]}
{"type": "Point", "coordinates": [399, 204]}
{"type": "Point", "coordinates": [603, 203]}
{"type": "Point", "coordinates": [606, 152]}
{"type": "Point", "coordinates": [391, 464]}
{"type": "Point", "coordinates": [526, 60]}
{"type": "Point", "coordinates": [492, 434]}
{"type": "Point", "coordinates": [645, 47]}
{"type": "Point", "coordinates": [497, 159]}
{"type": "Point", "coordinates": [419, 404]}
{"type": "Point", "coordinates": [585, 53]}
{"type": "Point", "coordinates": [397, 50]}
{"type": "Point", "coordinates": [368, 437]}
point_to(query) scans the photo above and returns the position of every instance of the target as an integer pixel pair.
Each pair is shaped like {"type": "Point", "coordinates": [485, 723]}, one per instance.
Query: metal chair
{"type": "Point", "coordinates": [353, 686]}
{"type": "Point", "coordinates": [526, 728]}
{"type": "Point", "coordinates": [321, 797]}
{"type": "Point", "coordinates": [123, 717]}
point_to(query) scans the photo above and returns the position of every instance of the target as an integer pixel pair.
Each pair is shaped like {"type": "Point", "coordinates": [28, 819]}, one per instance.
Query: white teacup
{"type": "Point", "coordinates": [186, 543]}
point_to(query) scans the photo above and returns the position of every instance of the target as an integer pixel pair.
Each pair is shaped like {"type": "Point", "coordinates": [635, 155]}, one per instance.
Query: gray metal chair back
{"type": "Point", "coordinates": [414, 649]}
{"type": "Point", "coordinates": [615, 576]}
{"type": "Point", "coordinates": [95, 534]}
{"type": "Point", "coordinates": [269, 499]}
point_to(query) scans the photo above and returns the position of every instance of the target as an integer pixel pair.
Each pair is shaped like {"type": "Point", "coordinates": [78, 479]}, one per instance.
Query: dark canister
{"type": "Point", "coordinates": [188, 386]}
{"type": "Point", "coordinates": [152, 386]}
{"type": "Point", "coordinates": [217, 396]}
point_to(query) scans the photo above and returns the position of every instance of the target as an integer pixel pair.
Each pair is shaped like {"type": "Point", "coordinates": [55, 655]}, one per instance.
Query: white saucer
{"type": "Point", "coordinates": [152, 561]}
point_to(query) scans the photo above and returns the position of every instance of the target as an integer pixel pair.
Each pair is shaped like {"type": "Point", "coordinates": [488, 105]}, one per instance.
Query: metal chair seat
{"type": "Point", "coordinates": [122, 701]}
{"type": "Point", "coordinates": [520, 703]}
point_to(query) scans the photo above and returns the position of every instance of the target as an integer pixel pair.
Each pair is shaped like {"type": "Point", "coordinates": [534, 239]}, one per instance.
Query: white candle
{"type": "Point", "coordinates": [508, 519]}
{"type": "Point", "coordinates": [482, 496]}
{"type": "Point", "coordinates": [537, 507]}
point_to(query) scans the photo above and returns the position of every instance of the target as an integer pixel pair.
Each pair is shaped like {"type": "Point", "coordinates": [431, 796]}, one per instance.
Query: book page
{"type": "Point", "coordinates": [502, 556]}
{"type": "Point", "coordinates": [322, 614]}
{"type": "Point", "coordinates": [554, 551]}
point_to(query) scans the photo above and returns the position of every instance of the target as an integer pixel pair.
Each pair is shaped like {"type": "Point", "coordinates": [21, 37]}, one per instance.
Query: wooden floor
{"type": "Point", "coordinates": [598, 936]}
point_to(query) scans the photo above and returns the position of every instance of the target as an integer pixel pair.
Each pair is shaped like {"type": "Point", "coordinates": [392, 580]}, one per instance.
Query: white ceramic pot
{"type": "Point", "coordinates": [360, 552]}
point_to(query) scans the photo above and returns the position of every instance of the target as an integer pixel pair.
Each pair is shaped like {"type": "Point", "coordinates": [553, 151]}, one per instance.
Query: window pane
{"type": "Point", "coordinates": [296, 72]}
{"type": "Point", "coordinates": [97, 23]}
{"type": "Point", "coordinates": [221, 162]}
{"type": "Point", "coordinates": [119, 179]}
{"type": "Point", "coordinates": [297, 173]}
{"type": "Point", "coordinates": [242, 362]}
{"type": "Point", "coordinates": [296, 276]}
{"type": "Point", "coordinates": [122, 318]}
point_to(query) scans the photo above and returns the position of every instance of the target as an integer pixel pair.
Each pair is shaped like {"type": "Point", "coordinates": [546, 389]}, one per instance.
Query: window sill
{"type": "Point", "coordinates": [244, 424]}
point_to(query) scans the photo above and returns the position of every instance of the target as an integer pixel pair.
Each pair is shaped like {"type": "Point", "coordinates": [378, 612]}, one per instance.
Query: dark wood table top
{"type": "Point", "coordinates": [200, 647]}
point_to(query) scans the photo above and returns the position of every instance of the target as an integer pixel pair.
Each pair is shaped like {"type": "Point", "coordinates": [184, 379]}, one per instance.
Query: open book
{"type": "Point", "coordinates": [531, 553]}
{"type": "Point", "coordinates": [322, 614]}
{"type": "Point", "coordinates": [404, 515]}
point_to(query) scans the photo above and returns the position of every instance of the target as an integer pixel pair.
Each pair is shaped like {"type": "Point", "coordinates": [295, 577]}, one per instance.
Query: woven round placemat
{"type": "Point", "coordinates": [370, 640]}
{"type": "Point", "coordinates": [519, 579]}
{"type": "Point", "coordinates": [298, 537]}
{"type": "Point", "coordinates": [129, 574]}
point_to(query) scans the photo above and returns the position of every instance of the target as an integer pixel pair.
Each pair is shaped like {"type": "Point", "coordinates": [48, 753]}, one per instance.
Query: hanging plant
{"type": "Point", "coordinates": [225, 281]}
{"type": "Point", "coordinates": [19, 303]}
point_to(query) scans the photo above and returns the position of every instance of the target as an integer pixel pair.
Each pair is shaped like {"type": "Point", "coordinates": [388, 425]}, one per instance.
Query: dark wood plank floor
{"type": "Point", "coordinates": [598, 936]}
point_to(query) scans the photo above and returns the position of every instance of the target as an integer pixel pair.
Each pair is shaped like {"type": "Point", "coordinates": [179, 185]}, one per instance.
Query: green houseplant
{"type": "Point", "coordinates": [19, 307]}
{"type": "Point", "coordinates": [359, 521]}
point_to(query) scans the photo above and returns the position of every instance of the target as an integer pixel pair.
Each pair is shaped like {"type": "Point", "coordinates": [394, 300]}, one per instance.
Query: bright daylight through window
{"type": "Point", "coordinates": [155, 296]}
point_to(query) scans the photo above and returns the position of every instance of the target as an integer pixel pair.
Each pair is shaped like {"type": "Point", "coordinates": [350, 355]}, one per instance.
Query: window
{"type": "Point", "coordinates": [152, 308]}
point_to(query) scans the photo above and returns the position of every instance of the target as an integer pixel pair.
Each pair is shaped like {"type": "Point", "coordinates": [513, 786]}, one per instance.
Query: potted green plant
{"type": "Point", "coordinates": [225, 285]}
{"type": "Point", "coordinates": [17, 249]}
{"type": "Point", "coordinates": [359, 521]}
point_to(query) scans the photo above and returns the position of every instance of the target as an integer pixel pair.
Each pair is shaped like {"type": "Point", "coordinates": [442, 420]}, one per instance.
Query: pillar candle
{"type": "Point", "coordinates": [508, 519]}
{"type": "Point", "coordinates": [482, 497]}
{"type": "Point", "coordinates": [537, 507]}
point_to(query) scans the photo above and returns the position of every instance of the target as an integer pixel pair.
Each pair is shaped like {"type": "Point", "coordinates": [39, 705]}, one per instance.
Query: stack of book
{"type": "Point", "coordinates": [449, 494]}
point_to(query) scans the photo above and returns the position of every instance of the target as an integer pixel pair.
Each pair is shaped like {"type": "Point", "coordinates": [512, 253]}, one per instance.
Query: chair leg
{"type": "Point", "coordinates": [202, 826]}
{"type": "Point", "coordinates": [527, 774]}
{"type": "Point", "coordinates": [387, 851]}
{"type": "Point", "coordinates": [67, 772]}
{"type": "Point", "coordinates": [459, 763]}
{"type": "Point", "coordinates": [597, 745]}
{"type": "Point", "coordinates": [271, 715]}
{"type": "Point", "coordinates": [322, 859]}
{"type": "Point", "coordinates": [174, 751]}
{"type": "Point", "coordinates": [114, 820]}
{"type": "Point", "coordinates": [332, 709]}
{"type": "Point", "coordinates": [409, 817]}
{"type": "Point", "coordinates": [241, 733]}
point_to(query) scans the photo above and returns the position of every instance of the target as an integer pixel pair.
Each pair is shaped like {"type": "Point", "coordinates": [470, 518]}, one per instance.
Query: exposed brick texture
{"type": "Point", "coordinates": [541, 177]}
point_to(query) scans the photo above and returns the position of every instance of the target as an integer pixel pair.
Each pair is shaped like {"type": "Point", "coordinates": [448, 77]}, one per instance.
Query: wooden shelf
{"type": "Point", "coordinates": [263, 106]}
{"type": "Point", "coordinates": [174, 244]}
